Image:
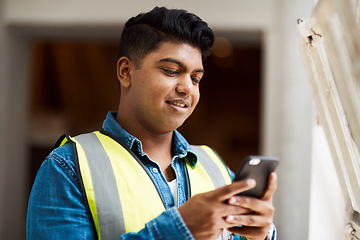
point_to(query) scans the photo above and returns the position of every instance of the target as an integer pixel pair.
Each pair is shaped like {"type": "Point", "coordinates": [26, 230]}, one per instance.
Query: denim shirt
{"type": "Point", "coordinates": [56, 208]}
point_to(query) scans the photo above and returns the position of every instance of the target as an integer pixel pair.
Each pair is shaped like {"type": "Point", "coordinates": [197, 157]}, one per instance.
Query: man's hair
{"type": "Point", "coordinates": [144, 33]}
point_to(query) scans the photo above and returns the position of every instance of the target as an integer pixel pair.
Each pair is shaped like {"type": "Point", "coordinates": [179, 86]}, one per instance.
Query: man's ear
{"type": "Point", "coordinates": [123, 71]}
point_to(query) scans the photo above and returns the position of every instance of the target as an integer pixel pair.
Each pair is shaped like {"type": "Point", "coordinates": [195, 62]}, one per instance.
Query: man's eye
{"type": "Point", "coordinates": [170, 72]}
{"type": "Point", "coordinates": [195, 80]}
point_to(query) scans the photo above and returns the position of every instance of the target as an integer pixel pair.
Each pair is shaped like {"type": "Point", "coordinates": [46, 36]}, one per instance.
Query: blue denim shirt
{"type": "Point", "coordinates": [56, 208]}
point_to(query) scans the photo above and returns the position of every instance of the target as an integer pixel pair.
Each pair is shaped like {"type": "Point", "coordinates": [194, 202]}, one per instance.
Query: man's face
{"type": "Point", "coordinates": [164, 90]}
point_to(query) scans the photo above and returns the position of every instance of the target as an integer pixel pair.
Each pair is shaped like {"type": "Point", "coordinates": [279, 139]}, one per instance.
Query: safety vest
{"type": "Point", "coordinates": [120, 194]}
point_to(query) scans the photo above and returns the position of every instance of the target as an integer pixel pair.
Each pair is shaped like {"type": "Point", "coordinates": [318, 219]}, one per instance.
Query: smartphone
{"type": "Point", "coordinates": [259, 169]}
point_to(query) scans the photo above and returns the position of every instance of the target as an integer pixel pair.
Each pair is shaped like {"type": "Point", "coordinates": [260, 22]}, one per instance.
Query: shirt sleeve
{"type": "Point", "coordinates": [56, 208]}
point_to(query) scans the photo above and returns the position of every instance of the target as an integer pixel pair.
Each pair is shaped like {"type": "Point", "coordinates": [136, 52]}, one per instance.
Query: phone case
{"type": "Point", "coordinates": [258, 168]}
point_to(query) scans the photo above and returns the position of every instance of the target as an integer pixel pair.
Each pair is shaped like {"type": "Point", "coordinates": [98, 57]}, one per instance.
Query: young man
{"type": "Point", "coordinates": [138, 178]}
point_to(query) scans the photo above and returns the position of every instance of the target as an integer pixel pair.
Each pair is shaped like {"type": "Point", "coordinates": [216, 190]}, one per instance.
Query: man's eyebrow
{"type": "Point", "coordinates": [179, 63]}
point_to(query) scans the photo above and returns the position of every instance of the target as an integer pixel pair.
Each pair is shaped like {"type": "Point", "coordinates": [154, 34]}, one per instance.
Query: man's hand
{"type": "Point", "coordinates": [257, 223]}
{"type": "Point", "coordinates": [207, 214]}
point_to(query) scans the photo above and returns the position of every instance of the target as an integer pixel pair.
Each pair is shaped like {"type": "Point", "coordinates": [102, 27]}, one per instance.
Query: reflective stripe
{"type": "Point", "coordinates": [215, 168]}
{"type": "Point", "coordinates": [209, 173]}
{"type": "Point", "coordinates": [139, 197]}
{"type": "Point", "coordinates": [86, 180]}
{"type": "Point", "coordinates": [110, 215]}
{"type": "Point", "coordinates": [200, 181]}
{"type": "Point", "coordinates": [224, 171]}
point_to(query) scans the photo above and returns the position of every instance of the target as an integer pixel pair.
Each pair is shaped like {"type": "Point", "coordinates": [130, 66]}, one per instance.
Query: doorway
{"type": "Point", "coordinates": [73, 86]}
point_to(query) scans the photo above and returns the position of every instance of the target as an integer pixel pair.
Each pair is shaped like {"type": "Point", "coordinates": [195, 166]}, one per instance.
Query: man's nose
{"type": "Point", "coordinates": [185, 85]}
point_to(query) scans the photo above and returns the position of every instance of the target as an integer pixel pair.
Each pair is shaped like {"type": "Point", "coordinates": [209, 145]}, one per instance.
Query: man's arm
{"type": "Point", "coordinates": [56, 209]}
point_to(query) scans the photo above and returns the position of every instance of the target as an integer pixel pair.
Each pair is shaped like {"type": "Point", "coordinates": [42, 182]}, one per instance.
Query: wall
{"type": "Point", "coordinates": [287, 118]}
{"type": "Point", "coordinates": [327, 205]}
{"type": "Point", "coordinates": [2, 109]}
{"type": "Point", "coordinates": [233, 14]}
{"type": "Point", "coordinates": [13, 92]}
{"type": "Point", "coordinates": [287, 102]}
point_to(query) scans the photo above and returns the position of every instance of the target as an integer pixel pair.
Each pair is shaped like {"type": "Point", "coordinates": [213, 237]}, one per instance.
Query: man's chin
{"type": "Point", "coordinates": [170, 127]}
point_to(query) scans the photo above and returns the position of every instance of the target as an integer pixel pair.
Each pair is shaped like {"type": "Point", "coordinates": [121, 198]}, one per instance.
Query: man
{"type": "Point", "coordinates": [138, 178]}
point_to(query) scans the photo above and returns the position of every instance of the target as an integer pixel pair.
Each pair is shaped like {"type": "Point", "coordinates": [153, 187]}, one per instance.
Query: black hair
{"type": "Point", "coordinates": [144, 33]}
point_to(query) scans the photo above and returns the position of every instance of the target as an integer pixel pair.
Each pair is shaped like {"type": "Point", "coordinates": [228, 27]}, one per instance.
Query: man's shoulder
{"type": "Point", "coordinates": [64, 153]}
{"type": "Point", "coordinates": [63, 158]}
{"type": "Point", "coordinates": [62, 161]}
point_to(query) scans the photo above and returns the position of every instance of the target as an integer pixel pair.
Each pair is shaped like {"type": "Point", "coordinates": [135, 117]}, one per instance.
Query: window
{"type": "Point", "coordinates": [331, 51]}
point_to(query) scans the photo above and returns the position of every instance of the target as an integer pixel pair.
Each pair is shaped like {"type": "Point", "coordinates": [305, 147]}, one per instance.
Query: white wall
{"type": "Point", "coordinates": [328, 217]}
{"type": "Point", "coordinates": [287, 119]}
{"type": "Point", "coordinates": [287, 99]}
{"type": "Point", "coordinates": [229, 14]}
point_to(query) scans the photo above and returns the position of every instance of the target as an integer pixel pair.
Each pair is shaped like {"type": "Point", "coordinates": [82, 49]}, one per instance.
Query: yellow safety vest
{"type": "Point", "coordinates": [120, 195]}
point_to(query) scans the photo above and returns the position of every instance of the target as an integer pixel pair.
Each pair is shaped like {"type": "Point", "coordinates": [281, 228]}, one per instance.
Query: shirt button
{"type": "Point", "coordinates": [155, 170]}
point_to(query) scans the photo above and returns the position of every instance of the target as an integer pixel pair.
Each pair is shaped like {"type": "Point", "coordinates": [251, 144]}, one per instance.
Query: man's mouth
{"type": "Point", "coordinates": [178, 104]}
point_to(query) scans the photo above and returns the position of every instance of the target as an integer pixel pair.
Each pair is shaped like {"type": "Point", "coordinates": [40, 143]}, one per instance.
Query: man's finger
{"type": "Point", "coordinates": [232, 189]}
{"type": "Point", "coordinates": [250, 220]}
{"type": "Point", "coordinates": [271, 187]}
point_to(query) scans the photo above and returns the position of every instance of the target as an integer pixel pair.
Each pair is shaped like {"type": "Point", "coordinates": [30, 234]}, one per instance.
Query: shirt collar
{"type": "Point", "coordinates": [181, 147]}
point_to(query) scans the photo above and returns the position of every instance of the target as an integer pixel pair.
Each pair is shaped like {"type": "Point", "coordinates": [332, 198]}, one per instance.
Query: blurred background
{"type": "Point", "coordinates": [58, 75]}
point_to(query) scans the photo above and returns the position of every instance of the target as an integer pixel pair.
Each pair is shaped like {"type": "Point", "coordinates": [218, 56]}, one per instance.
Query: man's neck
{"type": "Point", "coordinates": [156, 145]}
